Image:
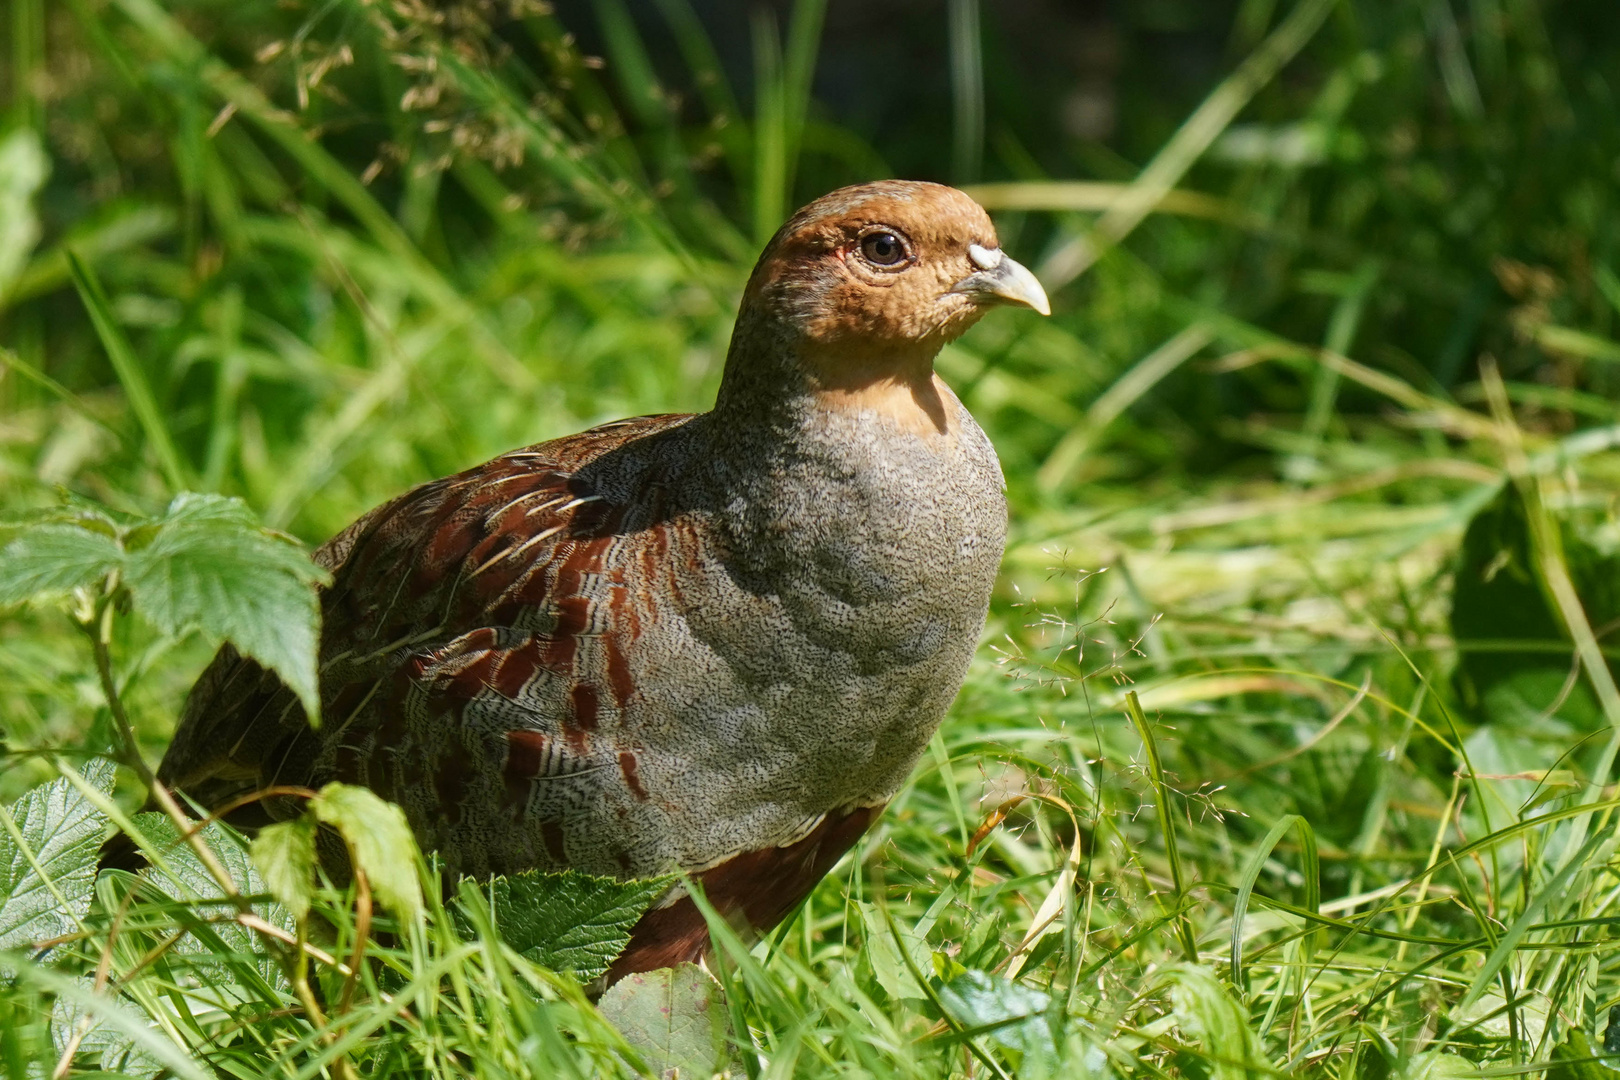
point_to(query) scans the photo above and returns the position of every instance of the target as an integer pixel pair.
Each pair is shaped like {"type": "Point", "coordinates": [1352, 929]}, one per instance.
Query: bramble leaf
{"type": "Point", "coordinates": [285, 855]}
{"type": "Point", "coordinates": [50, 559]}
{"type": "Point", "coordinates": [381, 840]}
{"type": "Point", "coordinates": [977, 999]}
{"type": "Point", "coordinates": [48, 850]}
{"type": "Point", "coordinates": [570, 921]}
{"type": "Point", "coordinates": [206, 563]}
{"type": "Point", "coordinates": [672, 1017]}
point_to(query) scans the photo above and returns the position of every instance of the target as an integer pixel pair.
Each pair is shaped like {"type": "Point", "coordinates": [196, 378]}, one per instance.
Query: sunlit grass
{"type": "Point", "coordinates": [1242, 458]}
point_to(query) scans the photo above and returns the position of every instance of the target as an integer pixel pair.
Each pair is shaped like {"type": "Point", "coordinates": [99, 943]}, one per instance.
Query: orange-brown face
{"type": "Point", "coordinates": [894, 267]}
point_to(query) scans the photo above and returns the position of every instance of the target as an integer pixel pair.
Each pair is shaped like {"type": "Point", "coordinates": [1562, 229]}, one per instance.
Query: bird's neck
{"type": "Point", "coordinates": [777, 378]}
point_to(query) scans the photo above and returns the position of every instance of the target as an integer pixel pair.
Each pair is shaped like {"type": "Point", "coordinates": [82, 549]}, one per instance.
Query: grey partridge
{"type": "Point", "coordinates": [712, 643]}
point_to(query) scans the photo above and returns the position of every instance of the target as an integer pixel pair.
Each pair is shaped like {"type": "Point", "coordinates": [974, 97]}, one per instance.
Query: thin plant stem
{"type": "Point", "coordinates": [1167, 825]}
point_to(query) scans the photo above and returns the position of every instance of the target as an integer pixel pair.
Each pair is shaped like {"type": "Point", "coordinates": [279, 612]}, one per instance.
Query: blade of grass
{"type": "Point", "coordinates": [1547, 548]}
{"type": "Point", "coordinates": [27, 56]}
{"type": "Point", "coordinates": [1340, 336]}
{"type": "Point", "coordinates": [1511, 938]}
{"type": "Point", "coordinates": [1097, 195]}
{"type": "Point", "coordinates": [770, 127]}
{"type": "Point", "coordinates": [1147, 373]}
{"type": "Point", "coordinates": [967, 91]}
{"type": "Point", "coordinates": [283, 129]}
{"type": "Point", "coordinates": [1310, 868]}
{"type": "Point", "coordinates": [130, 374]}
{"type": "Point", "coordinates": [1188, 144]}
{"type": "Point", "coordinates": [1167, 824]}
{"type": "Point", "coordinates": [798, 73]}
{"type": "Point", "coordinates": [14, 362]}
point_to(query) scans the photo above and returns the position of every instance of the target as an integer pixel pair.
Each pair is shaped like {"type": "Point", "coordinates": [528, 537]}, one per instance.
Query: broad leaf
{"type": "Point", "coordinates": [976, 999]}
{"type": "Point", "coordinates": [381, 840]}
{"type": "Point", "coordinates": [1438, 1065]}
{"type": "Point", "coordinates": [189, 877]}
{"type": "Point", "coordinates": [204, 564]}
{"type": "Point", "coordinates": [285, 855]}
{"type": "Point", "coordinates": [1572, 1059]}
{"type": "Point", "coordinates": [673, 1017]}
{"type": "Point", "coordinates": [48, 848]}
{"type": "Point", "coordinates": [569, 921]}
{"type": "Point", "coordinates": [220, 952]}
{"type": "Point", "coordinates": [48, 560]}
{"type": "Point", "coordinates": [1517, 660]}
{"type": "Point", "coordinates": [137, 1028]}
{"type": "Point", "coordinates": [207, 564]}
{"type": "Point", "coordinates": [101, 1041]}
{"type": "Point", "coordinates": [889, 967]}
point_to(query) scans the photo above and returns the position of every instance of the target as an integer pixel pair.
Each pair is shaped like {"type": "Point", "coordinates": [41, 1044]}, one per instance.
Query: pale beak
{"type": "Point", "coordinates": [1001, 280]}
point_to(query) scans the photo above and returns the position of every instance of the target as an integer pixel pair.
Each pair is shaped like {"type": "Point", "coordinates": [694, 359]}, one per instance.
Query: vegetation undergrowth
{"type": "Point", "coordinates": [1290, 748]}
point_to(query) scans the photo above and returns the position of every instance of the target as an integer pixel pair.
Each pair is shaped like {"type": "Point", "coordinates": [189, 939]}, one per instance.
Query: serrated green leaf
{"type": "Point", "coordinates": [381, 840]}
{"type": "Point", "coordinates": [285, 855]}
{"type": "Point", "coordinates": [48, 850]}
{"type": "Point", "coordinates": [109, 1010]}
{"type": "Point", "coordinates": [189, 878]}
{"type": "Point", "coordinates": [882, 951]}
{"type": "Point", "coordinates": [109, 1046]}
{"type": "Point", "coordinates": [673, 1017]}
{"type": "Point", "coordinates": [570, 921]}
{"type": "Point", "coordinates": [1572, 1059]}
{"type": "Point", "coordinates": [54, 558]}
{"type": "Point", "coordinates": [976, 999]}
{"type": "Point", "coordinates": [206, 564]}
{"type": "Point", "coordinates": [202, 508]}
{"type": "Point", "coordinates": [219, 952]}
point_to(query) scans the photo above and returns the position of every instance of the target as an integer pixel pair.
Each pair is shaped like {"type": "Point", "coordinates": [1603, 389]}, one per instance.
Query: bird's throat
{"type": "Point", "coordinates": [892, 387]}
{"type": "Point", "coordinates": [773, 373]}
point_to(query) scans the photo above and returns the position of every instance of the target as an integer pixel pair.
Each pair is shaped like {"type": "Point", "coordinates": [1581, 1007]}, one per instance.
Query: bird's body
{"type": "Point", "coordinates": [711, 643]}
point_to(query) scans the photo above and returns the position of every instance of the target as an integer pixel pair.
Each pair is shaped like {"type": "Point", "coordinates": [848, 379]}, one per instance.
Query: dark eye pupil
{"type": "Point", "coordinates": [882, 248]}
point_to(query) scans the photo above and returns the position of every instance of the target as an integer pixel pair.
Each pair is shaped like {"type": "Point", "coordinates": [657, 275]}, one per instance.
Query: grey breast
{"type": "Point", "coordinates": [833, 625]}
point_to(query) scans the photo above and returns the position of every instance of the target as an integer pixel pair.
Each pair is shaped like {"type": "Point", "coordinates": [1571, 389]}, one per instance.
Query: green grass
{"type": "Point", "coordinates": [1356, 289]}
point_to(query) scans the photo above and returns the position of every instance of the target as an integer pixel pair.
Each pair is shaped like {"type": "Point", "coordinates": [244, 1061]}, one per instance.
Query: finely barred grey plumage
{"type": "Point", "coordinates": [712, 643]}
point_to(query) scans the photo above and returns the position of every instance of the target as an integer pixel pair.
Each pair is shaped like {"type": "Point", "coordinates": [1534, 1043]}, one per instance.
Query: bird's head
{"type": "Point", "coordinates": [895, 266]}
{"type": "Point", "coordinates": [855, 295]}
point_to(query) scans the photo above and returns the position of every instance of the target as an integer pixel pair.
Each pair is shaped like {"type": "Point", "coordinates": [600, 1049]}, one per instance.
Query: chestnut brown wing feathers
{"type": "Point", "coordinates": [426, 590]}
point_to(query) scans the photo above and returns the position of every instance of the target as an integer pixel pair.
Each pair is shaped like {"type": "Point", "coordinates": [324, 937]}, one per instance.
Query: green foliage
{"type": "Point", "coordinates": [1576, 1059]}
{"type": "Point", "coordinates": [1515, 665]}
{"type": "Point", "coordinates": [284, 854]}
{"type": "Point", "coordinates": [1223, 1045]}
{"type": "Point", "coordinates": [181, 873]}
{"type": "Point", "coordinates": [204, 564]}
{"type": "Point", "coordinates": [379, 841]}
{"type": "Point", "coordinates": [48, 860]}
{"type": "Point", "coordinates": [52, 560]}
{"type": "Point", "coordinates": [23, 168]}
{"type": "Point", "coordinates": [672, 1017]}
{"type": "Point", "coordinates": [306, 255]}
{"type": "Point", "coordinates": [1011, 1014]}
{"type": "Point", "coordinates": [570, 921]}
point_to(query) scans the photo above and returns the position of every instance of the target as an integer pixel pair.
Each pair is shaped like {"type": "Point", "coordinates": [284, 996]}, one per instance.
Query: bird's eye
{"type": "Point", "coordinates": [883, 249]}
